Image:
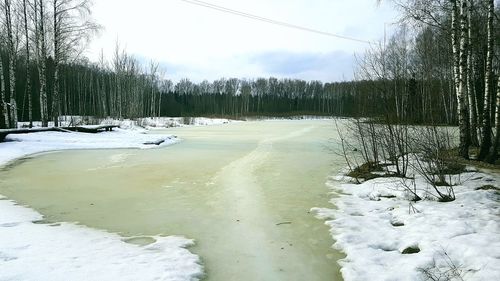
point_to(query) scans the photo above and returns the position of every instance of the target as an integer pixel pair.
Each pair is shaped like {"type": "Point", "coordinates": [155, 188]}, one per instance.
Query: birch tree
{"type": "Point", "coordinates": [28, 60]}
{"type": "Point", "coordinates": [153, 71]}
{"type": "Point", "coordinates": [11, 48]}
{"type": "Point", "coordinates": [5, 110]}
{"type": "Point", "coordinates": [486, 122]}
{"type": "Point", "coordinates": [470, 81]}
{"type": "Point", "coordinates": [41, 55]}
{"type": "Point", "coordinates": [463, 120]}
{"type": "Point", "coordinates": [72, 27]}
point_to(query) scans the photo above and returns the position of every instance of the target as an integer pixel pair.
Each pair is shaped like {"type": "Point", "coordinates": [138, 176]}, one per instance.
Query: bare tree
{"type": "Point", "coordinates": [153, 71]}
{"type": "Point", "coordinates": [72, 26]}
{"type": "Point", "coordinates": [41, 54]}
{"type": "Point", "coordinates": [11, 47]}
{"type": "Point", "coordinates": [463, 120]}
{"type": "Point", "coordinates": [493, 155]}
{"type": "Point", "coordinates": [470, 82]}
{"type": "Point", "coordinates": [5, 110]}
{"type": "Point", "coordinates": [28, 59]}
{"type": "Point", "coordinates": [488, 80]}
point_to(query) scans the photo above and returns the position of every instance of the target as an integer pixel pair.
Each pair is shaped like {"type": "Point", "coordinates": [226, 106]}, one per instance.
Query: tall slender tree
{"type": "Point", "coordinates": [41, 54]}
{"type": "Point", "coordinates": [488, 80]}
{"type": "Point", "coordinates": [72, 27]}
{"type": "Point", "coordinates": [28, 60]}
{"type": "Point", "coordinates": [493, 153]}
{"type": "Point", "coordinates": [11, 47]}
{"type": "Point", "coordinates": [470, 82]}
{"type": "Point", "coordinates": [463, 112]}
{"type": "Point", "coordinates": [3, 100]}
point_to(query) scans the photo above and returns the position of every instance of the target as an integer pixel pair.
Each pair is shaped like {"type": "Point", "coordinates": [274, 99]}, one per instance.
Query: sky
{"type": "Point", "coordinates": [189, 41]}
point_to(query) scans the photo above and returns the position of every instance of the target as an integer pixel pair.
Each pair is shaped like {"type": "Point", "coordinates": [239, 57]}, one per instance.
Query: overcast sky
{"type": "Point", "coordinates": [199, 43]}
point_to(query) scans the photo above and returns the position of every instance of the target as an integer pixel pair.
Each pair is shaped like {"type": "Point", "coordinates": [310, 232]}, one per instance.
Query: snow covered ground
{"type": "Point", "coordinates": [139, 123]}
{"type": "Point", "coordinates": [374, 222]}
{"type": "Point", "coordinates": [152, 123]}
{"type": "Point", "coordinates": [293, 117]}
{"type": "Point", "coordinates": [19, 145]}
{"type": "Point", "coordinates": [66, 251]}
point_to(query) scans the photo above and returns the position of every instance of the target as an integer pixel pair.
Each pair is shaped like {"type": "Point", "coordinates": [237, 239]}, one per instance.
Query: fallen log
{"type": "Point", "coordinates": [157, 142]}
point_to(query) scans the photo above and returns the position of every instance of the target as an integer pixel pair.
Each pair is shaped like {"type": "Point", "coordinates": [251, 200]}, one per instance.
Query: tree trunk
{"type": "Point", "coordinates": [455, 45]}
{"type": "Point", "coordinates": [463, 120]}
{"type": "Point", "coordinates": [493, 154]}
{"type": "Point", "coordinates": [486, 132]}
{"type": "Point", "coordinates": [470, 88]}
{"type": "Point", "coordinates": [42, 57]}
{"type": "Point", "coordinates": [55, 94]}
{"type": "Point", "coordinates": [5, 111]}
{"type": "Point", "coordinates": [12, 64]}
{"type": "Point", "coordinates": [28, 78]}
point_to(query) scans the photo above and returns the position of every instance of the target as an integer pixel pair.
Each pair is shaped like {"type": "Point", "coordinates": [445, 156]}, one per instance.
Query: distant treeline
{"type": "Point", "coordinates": [92, 90]}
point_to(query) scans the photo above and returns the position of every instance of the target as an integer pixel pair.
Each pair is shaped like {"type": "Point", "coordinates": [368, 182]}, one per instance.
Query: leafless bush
{"type": "Point", "coordinates": [443, 269]}
{"type": "Point", "coordinates": [432, 145]}
{"type": "Point", "coordinates": [347, 150]}
{"type": "Point", "coordinates": [369, 142]}
{"type": "Point", "coordinates": [365, 135]}
{"type": "Point", "coordinates": [395, 145]}
{"type": "Point", "coordinates": [410, 186]}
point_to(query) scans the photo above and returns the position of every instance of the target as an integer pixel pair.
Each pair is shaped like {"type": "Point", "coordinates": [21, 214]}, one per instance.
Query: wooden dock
{"type": "Point", "coordinates": [81, 129]}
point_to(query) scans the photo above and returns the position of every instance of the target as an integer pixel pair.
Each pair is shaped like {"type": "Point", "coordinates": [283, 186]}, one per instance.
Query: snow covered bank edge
{"type": "Point", "coordinates": [374, 224]}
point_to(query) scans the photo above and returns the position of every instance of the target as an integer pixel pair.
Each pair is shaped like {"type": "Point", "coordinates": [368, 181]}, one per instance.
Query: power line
{"type": "Point", "coordinates": [271, 21]}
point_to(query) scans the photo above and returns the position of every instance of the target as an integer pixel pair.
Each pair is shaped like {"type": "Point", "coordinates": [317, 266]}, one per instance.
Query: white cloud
{"type": "Point", "coordinates": [203, 43]}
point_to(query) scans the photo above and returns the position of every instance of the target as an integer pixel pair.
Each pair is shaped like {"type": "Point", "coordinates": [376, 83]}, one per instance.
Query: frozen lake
{"type": "Point", "coordinates": [243, 191]}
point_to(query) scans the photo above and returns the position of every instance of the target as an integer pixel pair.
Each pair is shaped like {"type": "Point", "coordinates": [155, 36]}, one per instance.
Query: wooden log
{"type": "Point", "coordinates": [157, 142]}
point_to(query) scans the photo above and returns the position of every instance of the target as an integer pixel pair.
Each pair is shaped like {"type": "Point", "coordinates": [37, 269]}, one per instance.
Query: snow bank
{"type": "Point", "coordinates": [374, 223]}
{"type": "Point", "coordinates": [19, 145]}
{"type": "Point", "coordinates": [293, 117]}
{"type": "Point", "coordinates": [66, 251]}
{"type": "Point", "coordinates": [136, 124]}
{"type": "Point", "coordinates": [166, 122]}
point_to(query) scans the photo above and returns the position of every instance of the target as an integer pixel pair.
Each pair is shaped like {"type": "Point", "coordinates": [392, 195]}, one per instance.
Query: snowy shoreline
{"type": "Point", "coordinates": [374, 222]}
{"type": "Point", "coordinates": [21, 145]}
{"type": "Point", "coordinates": [59, 251]}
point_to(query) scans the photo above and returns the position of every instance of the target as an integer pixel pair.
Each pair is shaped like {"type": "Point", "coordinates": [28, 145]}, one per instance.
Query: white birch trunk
{"type": "Point", "coordinates": [12, 64]}
{"type": "Point", "coordinates": [42, 55]}
{"type": "Point", "coordinates": [56, 39]}
{"type": "Point", "coordinates": [470, 88]}
{"type": "Point", "coordinates": [460, 34]}
{"type": "Point", "coordinates": [28, 58]}
{"type": "Point", "coordinates": [5, 110]}
{"type": "Point", "coordinates": [486, 130]}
